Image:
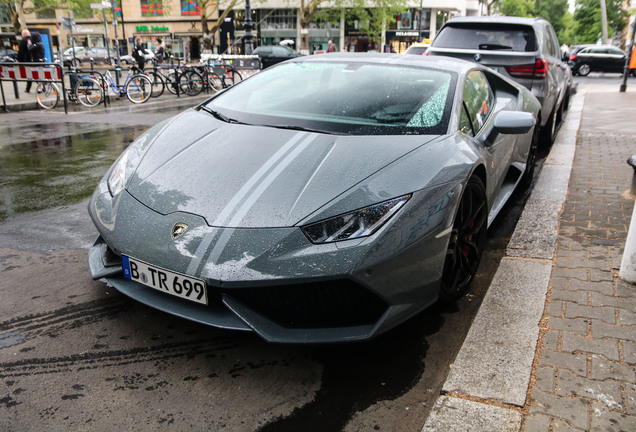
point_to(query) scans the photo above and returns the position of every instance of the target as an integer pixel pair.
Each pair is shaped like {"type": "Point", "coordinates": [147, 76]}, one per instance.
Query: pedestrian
{"type": "Point", "coordinates": [138, 54]}
{"type": "Point", "coordinates": [331, 47]}
{"type": "Point", "coordinates": [24, 54]}
{"type": "Point", "coordinates": [36, 47]}
{"type": "Point", "coordinates": [159, 51]}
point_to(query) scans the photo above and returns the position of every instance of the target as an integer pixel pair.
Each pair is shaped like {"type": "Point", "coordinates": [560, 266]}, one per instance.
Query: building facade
{"type": "Point", "coordinates": [178, 24]}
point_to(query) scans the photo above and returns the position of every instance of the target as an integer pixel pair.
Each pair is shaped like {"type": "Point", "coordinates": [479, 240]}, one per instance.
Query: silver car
{"type": "Point", "coordinates": [523, 49]}
{"type": "Point", "coordinates": [327, 198]}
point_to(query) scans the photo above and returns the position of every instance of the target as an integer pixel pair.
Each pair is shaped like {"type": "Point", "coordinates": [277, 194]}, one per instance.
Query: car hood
{"type": "Point", "coordinates": [246, 176]}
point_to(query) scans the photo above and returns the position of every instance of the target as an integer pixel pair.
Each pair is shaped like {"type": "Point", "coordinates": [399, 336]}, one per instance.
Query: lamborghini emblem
{"type": "Point", "coordinates": [178, 230]}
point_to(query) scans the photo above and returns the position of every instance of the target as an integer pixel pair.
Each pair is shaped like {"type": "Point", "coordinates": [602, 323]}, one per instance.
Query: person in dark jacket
{"type": "Point", "coordinates": [36, 47]}
{"type": "Point", "coordinates": [138, 54]}
{"type": "Point", "coordinates": [24, 54]}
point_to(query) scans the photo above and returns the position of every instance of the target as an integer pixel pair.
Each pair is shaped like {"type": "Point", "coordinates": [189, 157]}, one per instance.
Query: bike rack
{"type": "Point", "coordinates": [31, 71]}
{"type": "Point", "coordinates": [93, 74]}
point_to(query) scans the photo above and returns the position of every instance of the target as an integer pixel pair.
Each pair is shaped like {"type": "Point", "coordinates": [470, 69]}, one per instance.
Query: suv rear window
{"type": "Point", "coordinates": [487, 37]}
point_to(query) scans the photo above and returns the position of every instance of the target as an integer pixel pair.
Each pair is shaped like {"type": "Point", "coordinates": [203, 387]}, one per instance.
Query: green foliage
{"type": "Point", "coordinates": [587, 20]}
{"type": "Point", "coordinates": [520, 8]}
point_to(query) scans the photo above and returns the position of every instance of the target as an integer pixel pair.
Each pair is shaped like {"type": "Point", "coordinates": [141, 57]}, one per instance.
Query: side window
{"type": "Point", "coordinates": [464, 122]}
{"type": "Point", "coordinates": [479, 101]}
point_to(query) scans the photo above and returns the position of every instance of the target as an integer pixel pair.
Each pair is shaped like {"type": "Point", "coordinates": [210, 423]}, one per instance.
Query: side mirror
{"type": "Point", "coordinates": [514, 122]}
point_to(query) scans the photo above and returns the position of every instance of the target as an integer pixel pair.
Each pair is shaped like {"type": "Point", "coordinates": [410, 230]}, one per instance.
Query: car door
{"type": "Point", "coordinates": [476, 120]}
{"type": "Point", "coordinates": [616, 59]}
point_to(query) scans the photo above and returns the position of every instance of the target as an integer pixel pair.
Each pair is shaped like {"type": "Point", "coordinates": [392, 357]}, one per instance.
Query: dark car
{"type": "Point", "coordinates": [597, 58]}
{"type": "Point", "coordinates": [524, 49]}
{"type": "Point", "coordinates": [272, 54]}
{"type": "Point", "coordinates": [84, 55]}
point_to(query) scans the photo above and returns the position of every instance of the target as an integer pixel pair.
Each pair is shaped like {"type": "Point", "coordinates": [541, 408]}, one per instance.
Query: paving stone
{"type": "Point", "coordinates": [599, 275]}
{"type": "Point", "coordinates": [608, 392]}
{"type": "Point", "coordinates": [629, 352]}
{"type": "Point", "coordinates": [575, 310]}
{"type": "Point", "coordinates": [537, 423]}
{"type": "Point", "coordinates": [603, 330]}
{"type": "Point", "coordinates": [598, 299]}
{"type": "Point", "coordinates": [604, 420]}
{"type": "Point", "coordinates": [580, 274]}
{"type": "Point", "coordinates": [559, 425]}
{"type": "Point", "coordinates": [626, 317]}
{"type": "Point", "coordinates": [603, 369]}
{"type": "Point", "coordinates": [573, 296]}
{"type": "Point", "coordinates": [630, 398]}
{"type": "Point", "coordinates": [551, 340]}
{"type": "Point", "coordinates": [576, 363]}
{"type": "Point", "coordinates": [606, 288]}
{"type": "Point", "coordinates": [545, 379]}
{"type": "Point", "coordinates": [592, 264]}
{"type": "Point", "coordinates": [575, 410]}
{"type": "Point", "coordinates": [461, 415]}
{"type": "Point", "coordinates": [577, 325]}
{"type": "Point", "coordinates": [554, 309]}
{"type": "Point", "coordinates": [574, 343]}
{"type": "Point", "coordinates": [624, 289]}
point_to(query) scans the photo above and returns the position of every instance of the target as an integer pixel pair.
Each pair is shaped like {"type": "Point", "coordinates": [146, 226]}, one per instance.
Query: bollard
{"type": "Point", "coordinates": [628, 263]}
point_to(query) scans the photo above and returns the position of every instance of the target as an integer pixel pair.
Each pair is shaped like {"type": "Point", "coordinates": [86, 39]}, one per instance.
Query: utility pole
{"type": "Point", "coordinates": [604, 20]}
{"type": "Point", "coordinates": [248, 26]}
{"type": "Point", "coordinates": [630, 51]}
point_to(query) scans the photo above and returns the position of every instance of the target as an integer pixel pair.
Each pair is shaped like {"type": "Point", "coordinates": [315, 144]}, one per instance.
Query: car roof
{"type": "Point", "coordinates": [434, 62]}
{"type": "Point", "coordinates": [496, 20]}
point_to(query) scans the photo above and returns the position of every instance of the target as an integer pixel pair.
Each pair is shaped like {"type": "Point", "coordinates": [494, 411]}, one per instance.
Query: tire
{"type": "Point", "coordinates": [171, 82]}
{"type": "Point", "coordinates": [216, 83]}
{"type": "Point", "coordinates": [47, 95]}
{"type": "Point", "coordinates": [548, 131]}
{"type": "Point", "coordinates": [233, 78]}
{"type": "Point", "coordinates": [584, 69]}
{"type": "Point", "coordinates": [467, 242]}
{"type": "Point", "coordinates": [528, 173]}
{"type": "Point", "coordinates": [88, 92]}
{"type": "Point", "coordinates": [158, 85]}
{"type": "Point", "coordinates": [139, 89]}
{"type": "Point", "coordinates": [191, 83]}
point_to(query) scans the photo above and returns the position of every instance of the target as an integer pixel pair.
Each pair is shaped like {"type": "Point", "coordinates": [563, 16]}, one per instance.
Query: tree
{"type": "Point", "coordinates": [558, 14]}
{"type": "Point", "coordinates": [587, 20]}
{"type": "Point", "coordinates": [17, 9]}
{"type": "Point", "coordinates": [520, 8]}
{"type": "Point", "coordinates": [208, 7]}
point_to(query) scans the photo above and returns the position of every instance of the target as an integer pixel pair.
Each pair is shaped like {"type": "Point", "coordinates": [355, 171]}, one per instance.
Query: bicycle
{"type": "Point", "coordinates": [211, 76]}
{"type": "Point", "coordinates": [161, 80]}
{"type": "Point", "coordinates": [86, 90]}
{"type": "Point", "coordinates": [137, 87]}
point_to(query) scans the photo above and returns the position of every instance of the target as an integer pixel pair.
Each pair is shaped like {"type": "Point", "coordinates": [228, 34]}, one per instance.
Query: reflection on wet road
{"type": "Point", "coordinates": [50, 172]}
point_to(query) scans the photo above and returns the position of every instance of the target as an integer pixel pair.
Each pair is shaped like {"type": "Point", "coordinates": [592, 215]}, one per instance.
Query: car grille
{"type": "Point", "coordinates": [328, 304]}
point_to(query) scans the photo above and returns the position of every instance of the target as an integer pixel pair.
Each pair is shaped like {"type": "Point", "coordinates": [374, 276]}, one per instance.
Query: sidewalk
{"type": "Point", "coordinates": [553, 345]}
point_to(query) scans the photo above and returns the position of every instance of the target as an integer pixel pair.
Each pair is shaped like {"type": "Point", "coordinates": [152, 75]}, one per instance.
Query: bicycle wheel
{"type": "Point", "coordinates": [47, 94]}
{"type": "Point", "coordinates": [235, 77]}
{"type": "Point", "coordinates": [191, 83]}
{"type": "Point", "coordinates": [171, 82]}
{"type": "Point", "coordinates": [88, 92]}
{"type": "Point", "coordinates": [138, 89]}
{"type": "Point", "coordinates": [157, 83]}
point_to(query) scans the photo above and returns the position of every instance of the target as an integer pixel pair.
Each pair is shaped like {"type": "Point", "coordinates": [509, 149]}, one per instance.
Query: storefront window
{"type": "Point", "coordinates": [278, 19]}
{"type": "Point", "coordinates": [151, 8]}
{"type": "Point", "coordinates": [190, 7]}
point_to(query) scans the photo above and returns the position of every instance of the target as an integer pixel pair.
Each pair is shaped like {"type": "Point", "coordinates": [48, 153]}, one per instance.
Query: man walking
{"type": "Point", "coordinates": [24, 53]}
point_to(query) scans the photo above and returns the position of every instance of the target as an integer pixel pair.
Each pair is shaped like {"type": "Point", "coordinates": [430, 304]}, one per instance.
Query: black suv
{"type": "Point", "coordinates": [524, 49]}
{"type": "Point", "coordinates": [584, 59]}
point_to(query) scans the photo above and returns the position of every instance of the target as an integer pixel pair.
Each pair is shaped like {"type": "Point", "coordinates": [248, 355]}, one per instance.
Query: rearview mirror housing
{"type": "Point", "coordinates": [514, 122]}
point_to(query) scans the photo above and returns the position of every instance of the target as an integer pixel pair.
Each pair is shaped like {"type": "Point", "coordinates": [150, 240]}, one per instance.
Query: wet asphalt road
{"type": "Point", "coordinates": [77, 355]}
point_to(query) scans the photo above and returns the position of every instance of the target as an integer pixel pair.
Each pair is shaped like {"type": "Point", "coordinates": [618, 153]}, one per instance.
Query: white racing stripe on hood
{"type": "Point", "coordinates": [239, 205]}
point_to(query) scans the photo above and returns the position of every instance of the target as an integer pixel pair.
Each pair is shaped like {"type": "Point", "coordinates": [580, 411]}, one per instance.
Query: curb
{"type": "Point", "coordinates": [488, 383]}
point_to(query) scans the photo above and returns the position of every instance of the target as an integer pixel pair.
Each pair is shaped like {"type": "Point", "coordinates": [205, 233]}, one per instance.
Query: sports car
{"type": "Point", "coordinates": [326, 199]}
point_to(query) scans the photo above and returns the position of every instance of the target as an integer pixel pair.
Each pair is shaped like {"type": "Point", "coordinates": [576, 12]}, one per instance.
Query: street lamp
{"type": "Point", "coordinates": [248, 25]}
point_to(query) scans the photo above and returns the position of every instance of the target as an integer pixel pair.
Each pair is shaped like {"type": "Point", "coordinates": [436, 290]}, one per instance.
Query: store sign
{"type": "Point", "coordinates": [143, 28]}
{"type": "Point", "coordinates": [407, 33]}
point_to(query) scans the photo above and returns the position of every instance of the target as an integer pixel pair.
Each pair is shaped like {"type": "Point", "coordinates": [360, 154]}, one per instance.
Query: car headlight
{"type": "Point", "coordinates": [358, 223]}
{"type": "Point", "coordinates": [117, 177]}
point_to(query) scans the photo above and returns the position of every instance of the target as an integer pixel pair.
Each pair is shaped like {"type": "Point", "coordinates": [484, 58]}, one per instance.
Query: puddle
{"type": "Point", "coordinates": [39, 174]}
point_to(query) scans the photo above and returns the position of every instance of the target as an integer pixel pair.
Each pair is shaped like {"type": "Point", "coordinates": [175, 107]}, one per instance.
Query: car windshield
{"type": "Point", "coordinates": [343, 98]}
{"type": "Point", "coordinates": [487, 37]}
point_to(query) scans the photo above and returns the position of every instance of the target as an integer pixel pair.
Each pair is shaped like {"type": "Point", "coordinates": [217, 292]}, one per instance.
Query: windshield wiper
{"type": "Point", "coordinates": [298, 128]}
{"type": "Point", "coordinates": [220, 116]}
{"type": "Point", "coordinates": [494, 47]}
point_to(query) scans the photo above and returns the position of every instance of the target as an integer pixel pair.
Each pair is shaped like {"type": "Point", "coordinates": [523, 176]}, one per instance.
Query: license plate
{"type": "Point", "coordinates": [164, 280]}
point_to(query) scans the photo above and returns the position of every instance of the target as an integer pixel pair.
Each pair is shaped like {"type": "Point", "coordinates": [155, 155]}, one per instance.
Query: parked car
{"type": "Point", "coordinates": [8, 52]}
{"type": "Point", "coordinates": [272, 54]}
{"type": "Point", "coordinates": [326, 199]}
{"type": "Point", "coordinates": [418, 48]}
{"type": "Point", "coordinates": [84, 55]}
{"type": "Point", "coordinates": [148, 57]}
{"type": "Point", "coordinates": [597, 58]}
{"type": "Point", "coordinates": [524, 49]}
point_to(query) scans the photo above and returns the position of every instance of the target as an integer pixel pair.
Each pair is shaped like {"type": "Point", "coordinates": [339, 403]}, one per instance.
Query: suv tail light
{"type": "Point", "coordinates": [573, 57]}
{"type": "Point", "coordinates": [536, 70]}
